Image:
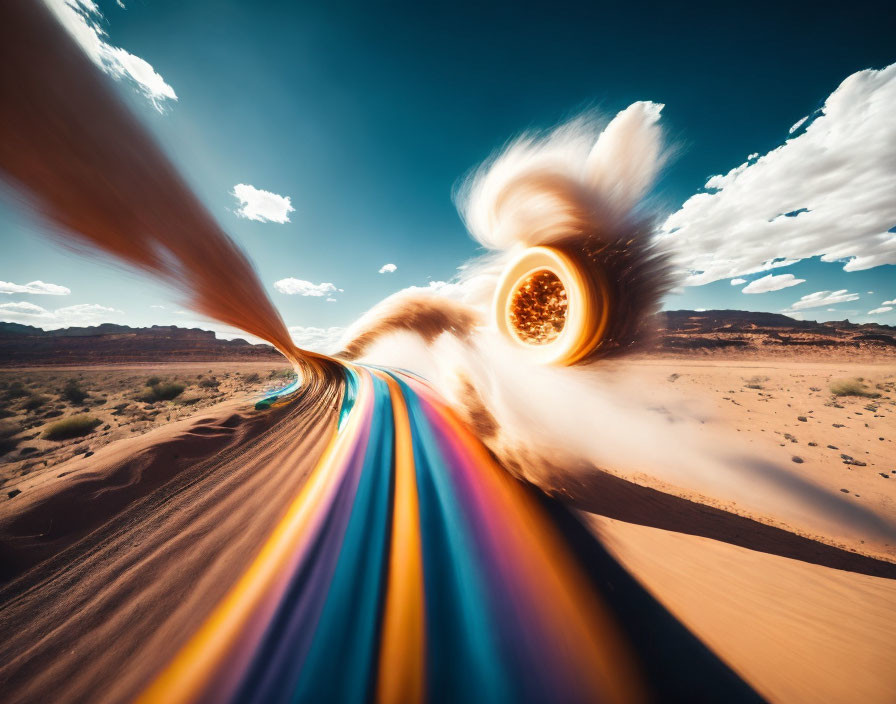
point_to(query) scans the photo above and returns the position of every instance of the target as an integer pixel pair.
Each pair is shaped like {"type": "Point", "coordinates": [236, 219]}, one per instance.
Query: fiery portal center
{"type": "Point", "coordinates": [538, 308]}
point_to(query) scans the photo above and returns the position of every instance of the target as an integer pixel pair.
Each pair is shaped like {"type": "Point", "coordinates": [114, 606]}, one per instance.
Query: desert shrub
{"type": "Point", "coordinates": [282, 374]}
{"type": "Point", "coordinates": [252, 378]}
{"type": "Point", "coordinates": [166, 392]}
{"type": "Point", "coordinates": [7, 441]}
{"type": "Point", "coordinates": [71, 427]}
{"type": "Point", "coordinates": [852, 387]}
{"type": "Point", "coordinates": [755, 382]}
{"type": "Point", "coordinates": [16, 390]}
{"type": "Point", "coordinates": [208, 383]}
{"type": "Point", "coordinates": [34, 401]}
{"type": "Point", "coordinates": [161, 392]}
{"type": "Point", "coordinates": [73, 392]}
{"type": "Point", "coordinates": [153, 381]}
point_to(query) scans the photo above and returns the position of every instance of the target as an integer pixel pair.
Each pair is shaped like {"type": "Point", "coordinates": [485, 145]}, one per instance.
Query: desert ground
{"type": "Point", "coordinates": [832, 423]}
{"type": "Point", "coordinates": [116, 401]}
{"type": "Point", "coordinates": [793, 625]}
{"type": "Point", "coordinates": [801, 617]}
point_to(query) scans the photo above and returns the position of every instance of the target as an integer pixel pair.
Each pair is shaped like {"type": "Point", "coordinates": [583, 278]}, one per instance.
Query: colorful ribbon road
{"type": "Point", "coordinates": [410, 567]}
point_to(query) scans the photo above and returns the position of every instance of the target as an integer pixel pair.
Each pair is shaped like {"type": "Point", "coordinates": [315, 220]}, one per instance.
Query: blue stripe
{"type": "Point", "coordinates": [464, 662]}
{"type": "Point", "coordinates": [341, 666]}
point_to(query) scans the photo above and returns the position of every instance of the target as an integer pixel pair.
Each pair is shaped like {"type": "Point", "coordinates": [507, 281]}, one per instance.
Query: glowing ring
{"type": "Point", "coordinates": [587, 305]}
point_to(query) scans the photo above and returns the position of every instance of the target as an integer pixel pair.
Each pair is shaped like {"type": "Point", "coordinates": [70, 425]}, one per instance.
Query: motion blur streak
{"type": "Point", "coordinates": [85, 163]}
{"type": "Point", "coordinates": [406, 496]}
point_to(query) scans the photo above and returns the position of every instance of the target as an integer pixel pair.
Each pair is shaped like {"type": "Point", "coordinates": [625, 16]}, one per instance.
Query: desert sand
{"type": "Point", "coordinates": [795, 631]}
{"type": "Point", "coordinates": [785, 412]}
{"type": "Point", "coordinates": [136, 542]}
{"type": "Point", "coordinates": [115, 395]}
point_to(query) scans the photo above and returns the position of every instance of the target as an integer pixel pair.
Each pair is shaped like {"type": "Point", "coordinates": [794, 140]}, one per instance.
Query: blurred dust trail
{"type": "Point", "coordinates": [557, 426]}
{"type": "Point", "coordinates": [83, 161]}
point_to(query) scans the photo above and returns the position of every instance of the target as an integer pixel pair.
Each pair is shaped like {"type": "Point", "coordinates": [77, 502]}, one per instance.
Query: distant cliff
{"type": "Point", "coordinates": [769, 333]}
{"type": "Point", "coordinates": [681, 332]}
{"type": "Point", "coordinates": [108, 343]}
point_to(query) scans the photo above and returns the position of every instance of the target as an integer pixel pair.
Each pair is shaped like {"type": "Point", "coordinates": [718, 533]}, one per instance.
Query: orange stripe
{"type": "Point", "coordinates": [401, 666]}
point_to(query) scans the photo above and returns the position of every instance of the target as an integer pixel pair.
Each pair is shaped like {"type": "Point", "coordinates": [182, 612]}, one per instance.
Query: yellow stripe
{"type": "Point", "coordinates": [184, 679]}
{"type": "Point", "coordinates": [401, 665]}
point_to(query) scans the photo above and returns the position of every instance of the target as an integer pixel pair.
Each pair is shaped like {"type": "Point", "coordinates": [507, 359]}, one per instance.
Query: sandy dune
{"type": "Point", "coordinates": [797, 632]}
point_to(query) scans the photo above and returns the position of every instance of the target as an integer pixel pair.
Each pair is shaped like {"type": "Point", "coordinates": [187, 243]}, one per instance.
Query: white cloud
{"type": "Point", "coordinates": [158, 307]}
{"type": "Point", "coordinates": [824, 298]}
{"type": "Point", "coordinates": [772, 282]}
{"type": "Point", "coordinates": [23, 308]}
{"type": "Point", "coordinates": [738, 282]}
{"type": "Point", "coordinates": [299, 287]}
{"type": "Point", "coordinates": [68, 316]}
{"type": "Point", "coordinates": [34, 288]}
{"type": "Point", "coordinates": [387, 268]}
{"type": "Point", "coordinates": [797, 125]}
{"type": "Point", "coordinates": [82, 19]}
{"type": "Point", "coordinates": [889, 303]}
{"type": "Point", "coordinates": [262, 206]}
{"type": "Point", "coordinates": [323, 340]}
{"type": "Point", "coordinates": [882, 309]}
{"type": "Point", "coordinates": [440, 288]}
{"type": "Point", "coordinates": [827, 191]}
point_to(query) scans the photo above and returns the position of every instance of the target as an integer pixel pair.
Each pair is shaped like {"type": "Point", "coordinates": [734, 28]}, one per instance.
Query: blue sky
{"type": "Point", "coordinates": [366, 115]}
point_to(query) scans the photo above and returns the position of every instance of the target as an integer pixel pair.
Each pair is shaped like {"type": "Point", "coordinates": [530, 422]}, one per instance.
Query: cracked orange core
{"type": "Point", "coordinates": [538, 308]}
